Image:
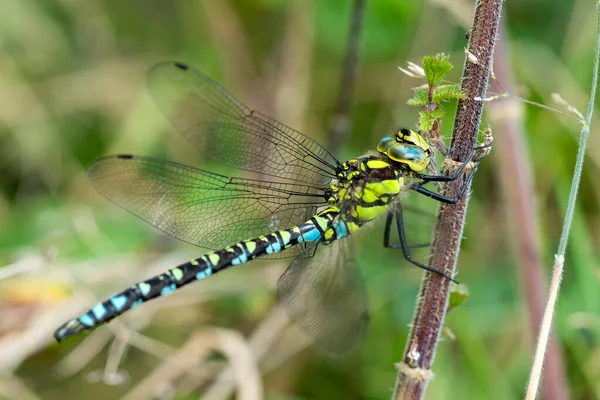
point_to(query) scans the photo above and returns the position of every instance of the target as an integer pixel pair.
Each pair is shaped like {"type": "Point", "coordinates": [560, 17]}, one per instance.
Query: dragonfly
{"type": "Point", "coordinates": [307, 206]}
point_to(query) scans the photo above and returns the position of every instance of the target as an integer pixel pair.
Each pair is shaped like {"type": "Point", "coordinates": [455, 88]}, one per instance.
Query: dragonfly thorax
{"type": "Point", "coordinates": [407, 148]}
{"type": "Point", "coordinates": [365, 188]}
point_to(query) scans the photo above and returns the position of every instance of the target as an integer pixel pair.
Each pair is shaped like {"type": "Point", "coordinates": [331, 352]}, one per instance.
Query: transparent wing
{"type": "Point", "coordinates": [200, 207]}
{"type": "Point", "coordinates": [325, 295]}
{"type": "Point", "coordinates": [223, 128]}
{"type": "Point", "coordinates": [419, 216]}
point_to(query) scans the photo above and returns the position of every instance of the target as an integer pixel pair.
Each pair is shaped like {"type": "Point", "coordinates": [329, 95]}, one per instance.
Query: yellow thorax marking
{"type": "Point", "coordinates": [388, 187]}
{"type": "Point", "coordinates": [369, 213]}
{"type": "Point", "coordinates": [352, 226]}
{"type": "Point", "coordinates": [370, 196]}
{"type": "Point", "coordinates": [377, 164]}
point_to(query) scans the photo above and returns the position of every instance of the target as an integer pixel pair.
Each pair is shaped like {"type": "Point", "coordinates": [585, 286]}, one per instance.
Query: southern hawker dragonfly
{"type": "Point", "coordinates": [317, 201]}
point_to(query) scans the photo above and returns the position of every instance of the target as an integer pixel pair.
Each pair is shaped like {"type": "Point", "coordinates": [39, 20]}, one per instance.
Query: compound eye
{"type": "Point", "coordinates": [412, 156]}
{"type": "Point", "coordinates": [385, 144]}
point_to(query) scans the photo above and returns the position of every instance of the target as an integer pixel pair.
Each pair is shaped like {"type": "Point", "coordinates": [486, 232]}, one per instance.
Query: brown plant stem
{"type": "Point", "coordinates": [340, 121]}
{"type": "Point", "coordinates": [517, 186]}
{"type": "Point", "coordinates": [414, 372]}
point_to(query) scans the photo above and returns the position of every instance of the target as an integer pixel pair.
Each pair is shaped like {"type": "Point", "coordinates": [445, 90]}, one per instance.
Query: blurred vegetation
{"type": "Point", "coordinates": [72, 89]}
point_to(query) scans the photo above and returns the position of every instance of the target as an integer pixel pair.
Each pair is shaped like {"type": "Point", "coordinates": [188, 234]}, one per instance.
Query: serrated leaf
{"type": "Point", "coordinates": [427, 118]}
{"type": "Point", "coordinates": [425, 121]}
{"type": "Point", "coordinates": [419, 98]}
{"type": "Point", "coordinates": [447, 92]}
{"type": "Point", "coordinates": [436, 68]}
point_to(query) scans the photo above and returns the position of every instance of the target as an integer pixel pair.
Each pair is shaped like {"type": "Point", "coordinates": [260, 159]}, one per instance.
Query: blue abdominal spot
{"type": "Point", "coordinates": [137, 303]}
{"type": "Point", "coordinates": [312, 236]}
{"type": "Point", "coordinates": [203, 274]}
{"type": "Point", "coordinates": [119, 302]}
{"type": "Point", "coordinates": [341, 229]}
{"type": "Point", "coordinates": [99, 311]}
{"type": "Point", "coordinates": [242, 258]}
{"type": "Point", "coordinates": [86, 320]}
{"type": "Point", "coordinates": [274, 248]}
{"type": "Point", "coordinates": [168, 289]}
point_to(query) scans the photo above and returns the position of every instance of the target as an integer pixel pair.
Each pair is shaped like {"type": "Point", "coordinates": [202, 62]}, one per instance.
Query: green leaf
{"type": "Point", "coordinates": [436, 68]}
{"type": "Point", "coordinates": [458, 295]}
{"type": "Point", "coordinates": [427, 118]}
{"type": "Point", "coordinates": [419, 98]}
{"type": "Point", "coordinates": [447, 92]}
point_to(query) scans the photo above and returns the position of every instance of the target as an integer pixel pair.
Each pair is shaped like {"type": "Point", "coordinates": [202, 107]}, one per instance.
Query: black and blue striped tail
{"type": "Point", "coordinates": [135, 295]}
{"type": "Point", "coordinates": [200, 268]}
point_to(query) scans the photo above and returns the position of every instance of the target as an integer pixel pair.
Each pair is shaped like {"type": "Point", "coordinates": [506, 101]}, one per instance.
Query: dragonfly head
{"type": "Point", "coordinates": [407, 148]}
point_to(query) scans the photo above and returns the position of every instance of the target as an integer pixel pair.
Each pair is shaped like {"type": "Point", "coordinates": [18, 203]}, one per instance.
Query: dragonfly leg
{"type": "Point", "coordinates": [444, 178]}
{"type": "Point", "coordinates": [451, 177]}
{"type": "Point", "coordinates": [403, 242]}
{"type": "Point", "coordinates": [418, 245]}
{"type": "Point", "coordinates": [386, 236]}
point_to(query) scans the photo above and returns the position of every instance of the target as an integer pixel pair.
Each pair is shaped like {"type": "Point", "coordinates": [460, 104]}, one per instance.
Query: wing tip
{"type": "Point", "coordinates": [181, 65]}
{"type": "Point", "coordinates": [169, 64]}
{"type": "Point", "coordinates": [93, 167]}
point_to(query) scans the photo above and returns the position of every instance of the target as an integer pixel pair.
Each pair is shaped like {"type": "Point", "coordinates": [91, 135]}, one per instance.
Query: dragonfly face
{"type": "Point", "coordinates": [408, 149]}
{"type": "Point", "coordinates": [366, 186]}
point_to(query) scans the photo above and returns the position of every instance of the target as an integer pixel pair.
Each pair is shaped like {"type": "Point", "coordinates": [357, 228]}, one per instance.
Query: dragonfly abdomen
{"type": "Point", "coordinates": [322, 227]}
{"type": "Point", "coordinates": [135, 295]}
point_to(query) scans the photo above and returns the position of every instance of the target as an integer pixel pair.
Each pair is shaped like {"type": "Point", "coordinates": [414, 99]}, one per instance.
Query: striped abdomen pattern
{"type": "Point", "coordinates": [324, 227]}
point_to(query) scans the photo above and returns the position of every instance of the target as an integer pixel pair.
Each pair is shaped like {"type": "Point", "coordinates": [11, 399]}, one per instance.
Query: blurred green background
{"type": "Point", "coordinates": [72, 89]}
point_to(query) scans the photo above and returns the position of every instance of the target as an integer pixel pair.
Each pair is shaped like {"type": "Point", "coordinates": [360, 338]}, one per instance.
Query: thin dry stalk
{"type": "Point", "coordinates": [538, 361]}
{"type": "Point", "coordinates": [414, 371]}
{"type": "Point", "coordinates": [241, 361]}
